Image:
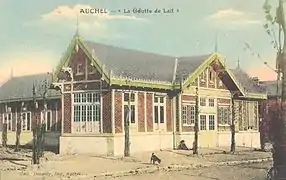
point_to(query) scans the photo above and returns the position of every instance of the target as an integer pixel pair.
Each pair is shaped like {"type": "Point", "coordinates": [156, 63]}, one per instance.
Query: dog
{"type": "Point", "coordinates": [155, 159]}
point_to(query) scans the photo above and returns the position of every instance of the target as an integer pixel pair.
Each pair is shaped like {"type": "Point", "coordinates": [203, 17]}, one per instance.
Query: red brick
{"type": "Point", "coordinates": [169, 114]}
{"type": "Point", "coordinates": [106, 112]}
{"type": "Point", "coordinates": [118, 112]}
{"type": "Point", "coordinates": [67, 113]}
{"type": "Point", "coordinates": [188, 98]}
{"type": "Point", "coordinates": [149, 112]}
{"type": "Point", "coordinates": [141, 112]}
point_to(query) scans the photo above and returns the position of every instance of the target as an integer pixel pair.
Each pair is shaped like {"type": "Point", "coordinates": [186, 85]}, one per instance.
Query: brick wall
{"type": "Point", "coordinates": [169, 114]}
{"type": "Point", "coordinates": [67, 113]}
{"type": "Point", "coordinates": [141, 112]}
{"type": "Point", "coordinates": [118, 112]}
{"type": "Point", "coordinates": [106, 112]}
{"type": "Point", "coordinates": [149, 112]}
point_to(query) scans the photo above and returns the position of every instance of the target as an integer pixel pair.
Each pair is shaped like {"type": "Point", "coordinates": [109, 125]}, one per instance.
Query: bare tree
{"type": "Point", "coordinates": [196, 128]}
{"type": "Point", "coordinates": [35, 128]}
{"type": "Point", "coordinates": [279, 144]}
{"type": "Point", "coordinates": [18, 131]}
{"type": "Point", "coordinates": [127, 126]}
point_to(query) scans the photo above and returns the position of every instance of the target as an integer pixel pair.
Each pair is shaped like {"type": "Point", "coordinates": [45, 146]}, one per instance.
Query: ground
{"type": "Point", "coordinates": [210, 164]}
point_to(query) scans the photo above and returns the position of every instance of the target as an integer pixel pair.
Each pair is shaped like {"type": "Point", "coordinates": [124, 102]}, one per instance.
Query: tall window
{"type": "Point", "coordinates": [211, 75]}
{"type": "Point", "coordinates": [46, 117]}
{"type": "Point", "coordinates": [211, 122]}
{"type": "Point", "coordinates": [203, 76]}
{"type": "Point", "coordinates": [211, 102]}
{"type": "Point", "coordinates": [26, 121]}
{"type": "Point", "coordinates": [7, 118]}
{"type": "Point", "coordinates": [130, 114]}
{"type": "Point", "coordinates": [188, 114]}
{"type": "Point", "coordinates": [224, 115]}
{"type": "Point", "coordinates": [79, 69]}
{"type": "Point", "coordinates": [159, 110]}
{"type": "Point", "coordinates": [203, 101]}
{"type": "Point", "coordinates": [203, 122]}
{"type": "Point", "coordinates": [86, 111]}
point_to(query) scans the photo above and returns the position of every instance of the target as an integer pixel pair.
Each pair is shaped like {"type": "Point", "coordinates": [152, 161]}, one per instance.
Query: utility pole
{"type": "Point", "coordinates": [196, 128]}
{"type": "Point", "coordinates": [126, 127]}
{"type": "Point", "coordinates": [232, 127]}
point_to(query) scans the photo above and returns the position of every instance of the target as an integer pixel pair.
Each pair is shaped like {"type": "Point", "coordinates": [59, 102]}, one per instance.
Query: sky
{"type": "Point", "coordinates": [35, 34]}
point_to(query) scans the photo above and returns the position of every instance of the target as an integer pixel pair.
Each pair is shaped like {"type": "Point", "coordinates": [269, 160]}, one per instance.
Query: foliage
{"type": "Point", "coordinates": [269, 24]}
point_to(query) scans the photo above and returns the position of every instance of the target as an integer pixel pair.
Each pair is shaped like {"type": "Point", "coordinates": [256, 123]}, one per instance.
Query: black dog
{"type": "Point", "coordinates": [155, 159]}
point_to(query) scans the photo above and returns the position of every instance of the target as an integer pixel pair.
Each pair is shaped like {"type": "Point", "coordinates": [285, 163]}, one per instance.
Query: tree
{"type": "Point", "coordinates": [35, 128]}
{"type": "Point", "coordinates": [196, 128]}
{"type": "Point", "coordinates": [232, 126]}
{"type": "Point", "coordinates": [127, 111]}
{"type": "Point", "coordinates": [279, 144]}
{"type": "Point", "coordinates": [4, 134]}
{"type": "Point", "coordinates": [18, 133]}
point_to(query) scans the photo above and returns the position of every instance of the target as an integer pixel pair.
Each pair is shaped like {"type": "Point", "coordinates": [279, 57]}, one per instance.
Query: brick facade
{"type": "Point", "coordinates": [141, 112]}
{"type": "Point", "coordinates": [118, 112]}
{"type": "Point", "coordinates": [106, 112]}
{"type": "Point", "coordinates": [149, 111]}
{"type": "Point", "coordinates": [67, 113]}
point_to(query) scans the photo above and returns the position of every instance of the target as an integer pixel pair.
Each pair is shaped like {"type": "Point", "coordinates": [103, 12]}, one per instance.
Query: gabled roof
{"type": "Point", "coordinates": [250, 87]}
{"type": "Point", "coordinates": [147, 69]}
{"type": "Point", "coordinates": [20, 88]}
{"type": "Point", "coordinates": [271, 88]}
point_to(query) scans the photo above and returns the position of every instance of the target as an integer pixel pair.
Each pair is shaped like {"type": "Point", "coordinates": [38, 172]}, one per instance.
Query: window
{"type": "Point", "coordinates": [211, 122]}
{"type": "Point", "coordinates": [188, 114]}
{"type": "Point", "coordinates": [202, 101]}
{"type": "Point", "coordinates": [220, 84]}
{"type": "Point", "coordinates": [211, 75]}
{"type": "Point", "coordinates": [203, 122]}
{"type": "Point", "coordinates": [46, 118]}
{"type": "Point", "coordinates": [91, 69]}
{"type": "Point", "coordinates": [26, 121]}
{"type": "Point", "coordinates": [203, 76]}
{"type": "Point", "coordinates": [159, 110]}
{"type": "Point", "coordinates": [211, 102]}
{"type": "Point", "coordinates": [224, 115]}
{"type": "Point", "coordinates": [87, 107]}
{"type": "Point", "coordinates": [8, 119]}
{"type": "Point", "coordinates": [79, 69]}
{"type": "Point", "coordinates": [130, 114]}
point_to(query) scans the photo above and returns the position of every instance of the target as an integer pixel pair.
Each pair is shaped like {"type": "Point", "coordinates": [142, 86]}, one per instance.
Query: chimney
{"type": "Point", "coordinates": [256, 80]}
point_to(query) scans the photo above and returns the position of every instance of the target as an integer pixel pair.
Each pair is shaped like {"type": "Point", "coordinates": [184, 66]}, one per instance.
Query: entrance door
{"type": "Point", "coordinates": [159, 113]}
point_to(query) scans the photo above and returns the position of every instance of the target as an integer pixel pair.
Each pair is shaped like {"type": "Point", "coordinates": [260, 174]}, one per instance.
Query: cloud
{"type": "Point", "coordinates": [26, 63]}
{"type": "Point", "coordinates": [231, 17]}
{"type": "Point", "coordinates": [71, 13]}
{"type": "Point", "coordinates": [63, 19]}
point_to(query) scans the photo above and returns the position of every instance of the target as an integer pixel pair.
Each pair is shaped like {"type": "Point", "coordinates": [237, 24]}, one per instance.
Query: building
{"type": "Point", "coordinates": [270, 108]}
{"type": "Point", "coordinates": [16, 104]}
{"type": "Point", "coordinates": [99, 82]}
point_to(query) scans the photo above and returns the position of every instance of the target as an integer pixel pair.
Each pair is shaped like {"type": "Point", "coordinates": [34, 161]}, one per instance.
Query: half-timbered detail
{"type": "Point", "coordinates": [100, 87]}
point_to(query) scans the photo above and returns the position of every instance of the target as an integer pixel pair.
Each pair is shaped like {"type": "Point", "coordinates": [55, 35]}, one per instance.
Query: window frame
{"type": "Point", "coordinates": [200, 122]}
{"type": "Point", "coordinates": [26, 121]}
{"type": "Point", "coordinates": [8, 121]}
{"type": "Point", "coordinates": [133, 105]}
{"type": "Point", "coordinates": [79, 69]}
{"type": "Point", "coordinates": [159, 104]}
{"type": "Point", "coordinates": [188, 119]}
{"type": "Point", "coordinates": [209, 124]}
{"type": "Point", "coordinates": [85, 105]}
{"type": "Point", "coordinates": [205, 101]}
{"type": "Point", "coordinates": [213, 102]}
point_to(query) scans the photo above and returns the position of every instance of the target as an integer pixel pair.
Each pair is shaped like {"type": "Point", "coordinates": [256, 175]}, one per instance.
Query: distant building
{"type": "Point", "coordinates": [93, 102]}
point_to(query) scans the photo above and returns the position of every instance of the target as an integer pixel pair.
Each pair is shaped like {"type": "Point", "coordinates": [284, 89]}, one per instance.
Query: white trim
{"type": "Point", "coordinates": [112, 110]}
{"type": "Point", "coordinates": [86, 70]}
{"type": "Point", "coordinates": [101, 113]}
{"type": "Point", "coordinates": [62, 109]}
{"type": "Point", "coordinates": [160, 126]}
{"type": "Point", "coordinates": [44, 118]}
{"type": "Point", "coordinates": [217, 97]}
{"type": "Point", "coordinates": [180, 111]}
{"type": "Point", "coordinates": [135, 104]}
{"type": "Point", "coordinates": [56, 119]}
{"type": "Point", "coordinates": [145, 111]}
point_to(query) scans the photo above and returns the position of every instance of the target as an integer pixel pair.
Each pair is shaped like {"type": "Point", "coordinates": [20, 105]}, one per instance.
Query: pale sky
{"type": "Point", "coordinates": [34, 34]}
